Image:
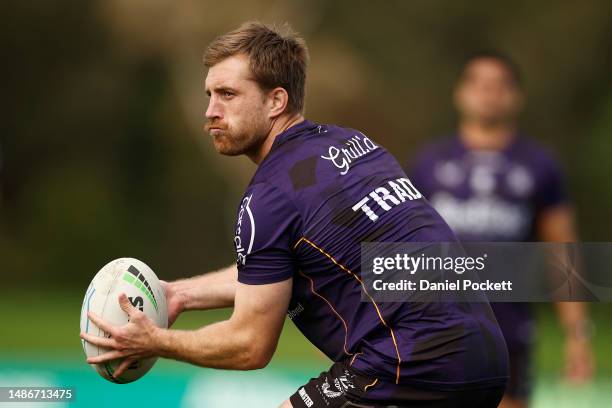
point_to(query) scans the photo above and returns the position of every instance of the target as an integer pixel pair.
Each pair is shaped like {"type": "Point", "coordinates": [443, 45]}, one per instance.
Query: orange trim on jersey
{"type": "Point", "coordinates": [298, 243]}
{"type": "Point", "coordinates": [370, 385]}
{"type": "Point", "coordinates": [332, 308]}
{"type": "Point", "coordinates": [344, 268]}
{"type": "Point", "coordinates": [353, 359]}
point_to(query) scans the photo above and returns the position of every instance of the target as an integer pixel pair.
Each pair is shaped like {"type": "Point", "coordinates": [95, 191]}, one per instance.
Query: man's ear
{"type": "Point", "coordinates": [278, 99]}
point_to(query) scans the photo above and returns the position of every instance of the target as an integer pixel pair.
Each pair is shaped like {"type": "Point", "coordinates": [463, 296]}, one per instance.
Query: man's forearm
{"type": "Point", "coordinates": [212, 290]}
{"type": "Point", "coordinates": [574, 319]}
{"type": "Point", "coordinates": [223, 345]}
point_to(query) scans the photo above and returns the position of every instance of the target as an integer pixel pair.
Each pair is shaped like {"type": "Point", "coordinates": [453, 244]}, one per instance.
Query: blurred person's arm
{"type": "Point", "coordinates": [557, 224]}
{"type": "Point", "coordinates": [212, 290]}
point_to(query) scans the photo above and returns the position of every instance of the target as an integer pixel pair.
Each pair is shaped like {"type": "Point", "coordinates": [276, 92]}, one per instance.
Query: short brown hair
{"type": "Point", "coordinates": [277, 58]}
{"type": "Point", "coordinates": [504, 59]}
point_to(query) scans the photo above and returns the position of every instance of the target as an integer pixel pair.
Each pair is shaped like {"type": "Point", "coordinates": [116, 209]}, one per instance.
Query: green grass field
{"type": "Point", "coordinates": [39, 342]}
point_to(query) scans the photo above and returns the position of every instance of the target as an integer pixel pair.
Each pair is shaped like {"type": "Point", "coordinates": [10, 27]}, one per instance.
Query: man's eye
{"type": "Point", "coordinates": [228, 94]}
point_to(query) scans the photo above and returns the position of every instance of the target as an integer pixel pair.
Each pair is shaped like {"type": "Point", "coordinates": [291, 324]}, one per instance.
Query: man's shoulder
{"type": "Point", "coordinates": [314, 137]}
{"type": "Point", "coordinates": [442, 148]}
{"type": "Point", "coordinates": [324, 148]}
{"type": "Point", "coordinates": [535, 153]}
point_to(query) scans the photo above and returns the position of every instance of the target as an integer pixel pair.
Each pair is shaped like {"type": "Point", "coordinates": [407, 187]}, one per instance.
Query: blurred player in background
{"type": "Point", "coordinates": [491, 183]}
{"type": "Point", "coordinates": [319, 191]}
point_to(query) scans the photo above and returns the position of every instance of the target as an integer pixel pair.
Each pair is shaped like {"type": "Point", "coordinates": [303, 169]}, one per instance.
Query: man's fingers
{"type": "Point", "coordinates": [122, 367]}
{"type": "Point", "coordinates": [108, 356]}
{"type": "Point", "coordinates": [101, 323]}
{"type": "Point", "coordinates": [126, 305]}
{"type": "Point", "coordinates": [99, 341]}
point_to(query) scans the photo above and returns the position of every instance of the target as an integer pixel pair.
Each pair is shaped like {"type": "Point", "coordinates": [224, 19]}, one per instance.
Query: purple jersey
{"type": "Point", "coordinates": [322, 191]}
{"type": "Point", "coordinates": [492, 196]}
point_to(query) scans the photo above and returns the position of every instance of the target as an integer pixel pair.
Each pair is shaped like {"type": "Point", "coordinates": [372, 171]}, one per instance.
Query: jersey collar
{"type": "Point", "coordinates": [293, 132]}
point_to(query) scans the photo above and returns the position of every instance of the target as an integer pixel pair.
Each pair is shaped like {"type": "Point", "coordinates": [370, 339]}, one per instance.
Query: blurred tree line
{"type": "Point", "coordinates": [103, 153]}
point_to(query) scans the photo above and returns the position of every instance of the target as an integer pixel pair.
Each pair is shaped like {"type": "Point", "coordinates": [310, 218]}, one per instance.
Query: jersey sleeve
{"type": "Point", "coordinates": [267, 227]}
{"type": "Point", "coordinates": [552, 189]}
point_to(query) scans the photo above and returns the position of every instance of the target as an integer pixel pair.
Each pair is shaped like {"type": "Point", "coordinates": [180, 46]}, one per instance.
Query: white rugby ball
{"type": "Point", "coordinates": [140, 284]}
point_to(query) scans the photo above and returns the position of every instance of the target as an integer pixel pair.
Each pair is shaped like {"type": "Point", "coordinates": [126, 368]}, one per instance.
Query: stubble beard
{"type": "Point", "coordinates": [236, 142]}
{"type": "Point", "coordinates": [496, 119]}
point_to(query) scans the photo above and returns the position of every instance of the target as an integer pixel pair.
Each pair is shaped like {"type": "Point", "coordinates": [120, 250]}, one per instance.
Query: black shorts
{"type": "Point", "coordinates": [344, 387]}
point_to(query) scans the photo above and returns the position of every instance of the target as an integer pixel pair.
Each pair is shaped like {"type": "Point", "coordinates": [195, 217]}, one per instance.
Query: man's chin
{"type": "Point", "coordinates": [224, 146]}
{"type": "Point", "coordinates": [229, 152]}
{"type": "Point", "coordinates": [494, 120]}
{"type": "Point", "coordinates": [226, 150]}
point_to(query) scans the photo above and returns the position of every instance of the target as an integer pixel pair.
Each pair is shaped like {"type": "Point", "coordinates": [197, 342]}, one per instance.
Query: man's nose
{"type": "Point", "coordinates": [491, 88]}
{"type": "Point", "coordinates": [213, 111]}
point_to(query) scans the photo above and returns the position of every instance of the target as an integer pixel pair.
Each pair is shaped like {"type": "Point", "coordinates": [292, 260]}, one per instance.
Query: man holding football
{"type": "Point", "coordinates": [300, 225]}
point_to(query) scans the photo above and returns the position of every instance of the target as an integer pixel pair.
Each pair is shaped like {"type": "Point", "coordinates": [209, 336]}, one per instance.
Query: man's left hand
{"type": "Point", "coordinates": [134, 341]}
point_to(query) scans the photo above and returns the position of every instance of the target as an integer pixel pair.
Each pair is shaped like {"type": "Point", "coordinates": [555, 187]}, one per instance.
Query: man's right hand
{"type": "Point", "coordinates": [212, 290]}
{"type": "Point", "coordinates": [174, 301]}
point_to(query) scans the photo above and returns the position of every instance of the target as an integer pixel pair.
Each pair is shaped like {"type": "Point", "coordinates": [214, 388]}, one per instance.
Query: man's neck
{"type": "Point", "coordinates": [480, 136]}
{"type": "Point", "coordinates": [281, 124]}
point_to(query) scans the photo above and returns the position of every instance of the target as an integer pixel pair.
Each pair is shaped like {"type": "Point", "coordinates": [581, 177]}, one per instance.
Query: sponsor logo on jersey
{"type": "Point", "coordinates": [244, 226]}
{"type": "Point", "coordinates": [483, 215]}
{"type": "Point", "coordinates": [449, 173]}
{"type": "Point", "coordinates": [482, 180]}
{"type": "Point", "coordinates": [353, 149]}
{"type": "Point", "coordinates": [386, 197]}
{"type": "Point", "coordinates": [520, 181]}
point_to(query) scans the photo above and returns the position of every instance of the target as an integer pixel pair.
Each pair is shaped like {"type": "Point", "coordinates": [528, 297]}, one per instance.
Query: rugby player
{"type": "Point", "coordinates": [318, 193]}
{"type": "Point", "coordinates": [490, 182]}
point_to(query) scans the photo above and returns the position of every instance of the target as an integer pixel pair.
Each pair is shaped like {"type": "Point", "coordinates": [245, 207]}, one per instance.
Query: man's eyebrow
{"type": "Point", "coordinates": [224, 89]}
{"type": "Point", "coordinates": [220, 89]}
